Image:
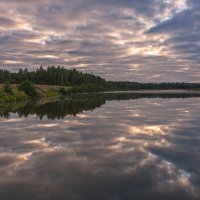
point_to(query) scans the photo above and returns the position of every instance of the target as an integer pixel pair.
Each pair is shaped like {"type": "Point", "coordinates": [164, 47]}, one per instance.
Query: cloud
{"type": "Point", "coordinates": [6, 22]}
{"type": "Point", "coordinates": [117, 39]}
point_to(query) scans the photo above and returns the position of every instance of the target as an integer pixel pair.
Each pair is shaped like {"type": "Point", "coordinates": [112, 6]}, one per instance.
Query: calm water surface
{"type": "Point", "coordinates": [119, 147]}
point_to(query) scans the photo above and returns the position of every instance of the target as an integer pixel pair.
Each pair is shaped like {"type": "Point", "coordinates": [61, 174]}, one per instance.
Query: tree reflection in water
{"type": "Point", "coordinates": [77, 104]}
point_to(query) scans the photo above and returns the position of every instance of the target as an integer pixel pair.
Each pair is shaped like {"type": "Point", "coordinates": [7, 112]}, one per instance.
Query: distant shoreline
{"type": "Point", "coordinates": [58, 82]}
{"type": "Point", "coordinates": [150, 91]}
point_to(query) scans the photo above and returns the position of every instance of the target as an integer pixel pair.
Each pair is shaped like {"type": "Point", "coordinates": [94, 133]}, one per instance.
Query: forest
{"type": "Point", "coordinates": [50, 76]}
{"type": "Point", "coordinates": [82, 82]}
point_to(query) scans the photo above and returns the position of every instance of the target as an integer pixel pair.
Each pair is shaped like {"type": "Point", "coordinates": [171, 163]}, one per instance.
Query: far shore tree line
{"type": "Point", "coordinates": [78, 81]}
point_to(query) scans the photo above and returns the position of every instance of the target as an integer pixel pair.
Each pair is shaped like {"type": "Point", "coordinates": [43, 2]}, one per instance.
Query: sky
{"type": "Point", "coordinates": [133, 40]}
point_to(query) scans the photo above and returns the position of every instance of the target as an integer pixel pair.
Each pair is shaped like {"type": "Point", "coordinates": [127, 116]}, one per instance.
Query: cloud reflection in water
{"type": "Point", "coordinates": [123, 150]}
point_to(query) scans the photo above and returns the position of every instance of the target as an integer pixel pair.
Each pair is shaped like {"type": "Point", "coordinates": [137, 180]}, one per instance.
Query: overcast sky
{"type": "Point", "coordinates": [135, 40]}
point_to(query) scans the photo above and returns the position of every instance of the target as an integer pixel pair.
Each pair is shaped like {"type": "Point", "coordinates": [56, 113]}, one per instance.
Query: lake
{"type": "Point", "coordinates": [101, 147]}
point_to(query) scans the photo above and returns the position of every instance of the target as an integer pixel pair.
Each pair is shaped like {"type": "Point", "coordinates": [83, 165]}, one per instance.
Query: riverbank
{"type": "Point", "coordinates": [49, 93]}
{"type": "Point", "coordinates": [43, 92]}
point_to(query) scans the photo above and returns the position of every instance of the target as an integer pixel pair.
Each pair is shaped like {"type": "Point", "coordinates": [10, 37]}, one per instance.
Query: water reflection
{"type": "Point", "coordinates": [76, 105]}
{"type": "Point", "coordinates": [146, 148]}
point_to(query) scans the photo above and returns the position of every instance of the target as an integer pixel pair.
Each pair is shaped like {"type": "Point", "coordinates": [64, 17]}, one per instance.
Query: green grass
{"type": "Point", "coordinates": [47, 91]}
{"type": "Point", "coordinates": [15, 96]}
{"type": "Point", "coordinates": [44, 92]}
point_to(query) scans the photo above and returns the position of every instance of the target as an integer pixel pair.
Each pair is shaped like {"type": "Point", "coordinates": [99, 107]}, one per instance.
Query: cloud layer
{"type": "Point", "coordinates": [137, 40]}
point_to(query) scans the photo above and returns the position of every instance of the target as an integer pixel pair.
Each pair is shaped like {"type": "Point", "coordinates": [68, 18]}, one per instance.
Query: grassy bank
{"type": "Point", "coordinates": [46, 93]}
{"type": "Point", "coordinates": [15, 95]}
{"type": "Point", "coordinates": [42, 92]}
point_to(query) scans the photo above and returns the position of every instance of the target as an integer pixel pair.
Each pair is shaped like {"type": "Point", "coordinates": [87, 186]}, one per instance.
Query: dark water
{"type": "Point", "coordinates": [101, 147]}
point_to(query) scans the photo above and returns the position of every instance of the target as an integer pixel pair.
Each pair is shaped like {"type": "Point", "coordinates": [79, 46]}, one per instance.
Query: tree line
{"type": "Point", "coordinates": [51, 76]}
{"type": "Point", "coordinates": [126, 85]}
{"type": "Point", "coordinates": [83, 82]}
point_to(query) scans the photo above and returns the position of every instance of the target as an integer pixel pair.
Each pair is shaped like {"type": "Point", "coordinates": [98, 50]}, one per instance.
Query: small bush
{"type": "Point", "coordinates": [63, 91]}
{"type": "Point", "coordinates": [28, 88]}
{"type": "Point", "coordinates": [8, 88]}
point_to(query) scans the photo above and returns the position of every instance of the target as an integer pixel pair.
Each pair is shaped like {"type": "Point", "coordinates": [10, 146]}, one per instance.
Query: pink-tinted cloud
{"type": "Point", "coordinates": [138, 40]}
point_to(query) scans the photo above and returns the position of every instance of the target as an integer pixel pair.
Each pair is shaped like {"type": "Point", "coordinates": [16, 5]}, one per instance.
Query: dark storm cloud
{"type": "Point", "coordinates": [176, 23]}
{"type": "Point", "coordinates": [117, 39]}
